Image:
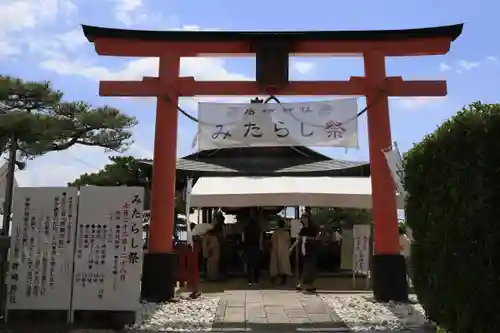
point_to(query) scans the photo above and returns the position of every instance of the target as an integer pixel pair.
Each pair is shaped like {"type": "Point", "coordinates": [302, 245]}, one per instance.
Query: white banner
{"type": "Point", "coordinates": [395, 163]}
{"type": "Point", "coordinates": [330, 123]}
{"type": "Point", "coordinates": [361, 255]}
{"type": "Point", "coordinates": [42, 245]}
{"type": "Point", "coordinates": [108, 257]}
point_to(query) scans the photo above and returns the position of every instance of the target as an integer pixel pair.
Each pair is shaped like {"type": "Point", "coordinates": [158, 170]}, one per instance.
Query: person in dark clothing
{"type": "Point", "coordinates": [197, 242]}
{"type": "Point", "coordinates": [252, 243]}
{"type": "Point", "coordinates": [308, 236]}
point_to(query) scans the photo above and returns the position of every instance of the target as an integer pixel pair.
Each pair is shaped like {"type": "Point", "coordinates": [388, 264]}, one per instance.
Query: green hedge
{"type": "Point", "coordinates": [453, 208]}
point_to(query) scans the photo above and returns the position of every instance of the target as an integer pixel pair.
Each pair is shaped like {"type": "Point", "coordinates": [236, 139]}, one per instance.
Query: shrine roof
{"type": "Point", "coordinates": [269, 166]}
{"type": "Point", "coordinates": [451, 31]}
{"type": "Point", "coordinates": [277, 152]}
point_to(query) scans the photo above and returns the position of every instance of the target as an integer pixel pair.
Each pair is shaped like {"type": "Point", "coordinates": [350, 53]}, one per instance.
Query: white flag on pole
{"type": "Point", "coordinates": [395, 163]}
{"type": "Point", "coordinates": [189, 232]}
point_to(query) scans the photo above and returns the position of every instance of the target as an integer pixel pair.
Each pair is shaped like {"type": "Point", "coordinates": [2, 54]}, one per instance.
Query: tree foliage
{"type": "Point", "coordinates": [122, 171]}
{"type": "Point", "coordinates": [453, 181]}
{"type": "Point", "coordinates": [41, 121]}
{"type": "Point", "coordinates": [126, 171]}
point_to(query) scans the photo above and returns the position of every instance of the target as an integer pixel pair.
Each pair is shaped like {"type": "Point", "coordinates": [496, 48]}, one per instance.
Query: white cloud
{"type": "Point", "coordinates": [303, 67]}
{"type": "Point", "coordinates": [16, 15]}
{"type": "Point", "coordinates": [8, 49]}
{"type": "Point", "coordinates": [59, 168]}
{"type": "Point", "coordinates": [414, 103]}
{"type": "Point", "coordinates": [444, 67]}
{"type": "Point", "coordinates": [19, 17]}
{"type": "Point", "coordinates": [200, 68]}
{"type": "Point", "coordinates": [492, 58]}
{"type": "Point", "coordinates": [462, 65]}
{"type": "Point", "coordinates": [193, 27]}
{"type": "Point", "coordinates": [57, 46]}
{"type": "Point", "coordinates": [130, 12]}
{"type": "Point", "coordinates": [72, 39]}
{"type": "Point", "coordinates": [467, 65]}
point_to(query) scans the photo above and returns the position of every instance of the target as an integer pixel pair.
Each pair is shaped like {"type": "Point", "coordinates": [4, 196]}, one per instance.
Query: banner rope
{"type": "Point", "coordinates": [274, 98]}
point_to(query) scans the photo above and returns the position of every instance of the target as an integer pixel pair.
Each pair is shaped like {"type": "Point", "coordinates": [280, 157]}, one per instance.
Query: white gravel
{"type": "Point", "coordinates": [186, 315]}
{"type": "Point", "coordinates": [362, 314]}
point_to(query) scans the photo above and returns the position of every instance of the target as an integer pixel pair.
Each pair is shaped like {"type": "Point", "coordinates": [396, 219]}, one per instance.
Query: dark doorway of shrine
{"type": "Point", "coordinates": [272, 50]}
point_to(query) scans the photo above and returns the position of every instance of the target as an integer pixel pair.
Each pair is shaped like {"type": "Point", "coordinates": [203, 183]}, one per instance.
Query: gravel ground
{"type": "Point", "coordinates": [186, 315]}
{"type": "Point", "coordinates": [361, 313]}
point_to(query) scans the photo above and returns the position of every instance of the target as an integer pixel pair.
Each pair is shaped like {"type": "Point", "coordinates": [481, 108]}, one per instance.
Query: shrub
{"type": "Point", "coordinates": [453, 207]}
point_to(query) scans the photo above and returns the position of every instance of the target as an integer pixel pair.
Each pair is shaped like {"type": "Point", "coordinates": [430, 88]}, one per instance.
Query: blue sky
{"type": "Point", "coordinates": [42, 40]}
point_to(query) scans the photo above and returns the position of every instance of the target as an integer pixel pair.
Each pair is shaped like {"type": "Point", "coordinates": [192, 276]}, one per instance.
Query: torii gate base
{"type": "Point", "coordinates": [272, 53]}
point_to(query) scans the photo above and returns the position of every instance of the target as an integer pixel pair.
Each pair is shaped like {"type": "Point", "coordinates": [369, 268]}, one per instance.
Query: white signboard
{"type": "Point", "coordinates": [42, 245]}
{"type": "Point", "coordinates": [395, 163]}
{"type": "Point", "coordinates": [361, 254]}
{"type": "Point", "coordinates": [108, 257]}
{"type": "Point", "coordinates": [331, 123]}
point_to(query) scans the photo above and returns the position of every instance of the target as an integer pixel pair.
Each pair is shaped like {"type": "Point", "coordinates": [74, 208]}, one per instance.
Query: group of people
{"type": "Point", "coordinates": [252, 240]}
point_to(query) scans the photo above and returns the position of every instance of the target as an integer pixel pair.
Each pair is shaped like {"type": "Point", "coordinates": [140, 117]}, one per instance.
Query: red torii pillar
{"type": "Point", "coordinates": [272, 50]}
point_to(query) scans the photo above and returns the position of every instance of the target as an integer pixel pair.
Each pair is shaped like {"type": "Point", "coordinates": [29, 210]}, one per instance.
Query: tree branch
{"type": "Point", "coordinates": [44, 123]}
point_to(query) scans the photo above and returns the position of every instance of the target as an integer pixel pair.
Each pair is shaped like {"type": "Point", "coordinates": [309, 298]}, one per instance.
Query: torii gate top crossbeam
{"type": "Point", "coordinates": [426, 41]}
{"type": "Point", "coordinates": [451, 32]}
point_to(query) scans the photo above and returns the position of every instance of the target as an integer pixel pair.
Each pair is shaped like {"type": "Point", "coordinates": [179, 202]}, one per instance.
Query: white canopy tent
{"type": "Point", "coordinates": [354, 192]}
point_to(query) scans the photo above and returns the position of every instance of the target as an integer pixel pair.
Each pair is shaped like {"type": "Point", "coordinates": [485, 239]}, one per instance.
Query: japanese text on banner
{"type": "Point", "coordinates": [361, 248]}
{"type": "Point", "coordinates": [331, 123]}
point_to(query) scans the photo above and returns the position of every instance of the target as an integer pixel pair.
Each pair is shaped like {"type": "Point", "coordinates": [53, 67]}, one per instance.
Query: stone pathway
{"type": "Point", "coordinates": [278, 311]}
{"type": "Point", "coordinates": [274, 310]}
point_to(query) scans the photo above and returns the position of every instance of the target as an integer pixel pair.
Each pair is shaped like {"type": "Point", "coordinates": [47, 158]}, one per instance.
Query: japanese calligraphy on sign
{"type": "Point", "coordinates": [395, 163]}
{"type": "Point", "coordinates": [42, 245]}
{"type": "Point", "coordinates": [332, 123]}
{"type": "Point", "coordinates": [361, 253]}
{"type": "Point", "coordinates": [108, 257]}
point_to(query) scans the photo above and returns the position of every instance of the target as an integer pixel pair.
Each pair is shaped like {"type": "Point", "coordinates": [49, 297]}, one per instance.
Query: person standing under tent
{"type": "Point", "coordinates": [211, 251]}
{"type": "Point", "coordinates": [405, 250]}
{"type": "Point", "coordinates": [252, 243]}
{"type": "Point", "coordinates": [279, 265]}
{"type": "Point", "coordinates": [219, 229]}
{"type": "Point", "coordinates": [309, 237]}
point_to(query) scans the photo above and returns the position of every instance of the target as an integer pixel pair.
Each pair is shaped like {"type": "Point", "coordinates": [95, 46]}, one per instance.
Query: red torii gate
{"type": "Point", "coordinates": [272, 50]}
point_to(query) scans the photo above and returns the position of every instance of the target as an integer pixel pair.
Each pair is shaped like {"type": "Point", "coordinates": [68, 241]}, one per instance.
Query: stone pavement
{"type": "Point", "coordinates": [276, 311]}
{"type": "Point", "coordinates": [273, 310]}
